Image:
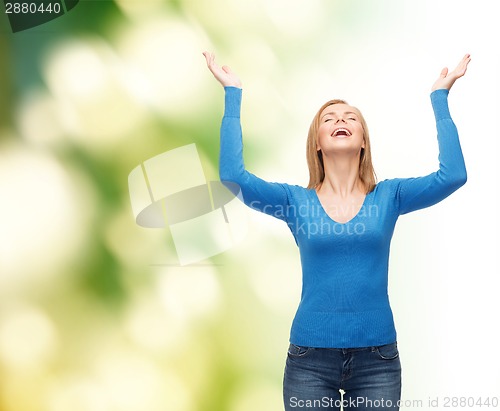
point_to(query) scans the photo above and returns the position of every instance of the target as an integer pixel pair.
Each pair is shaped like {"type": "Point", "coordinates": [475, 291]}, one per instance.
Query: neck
{"type": "Point", "coordinates": [342, 176]}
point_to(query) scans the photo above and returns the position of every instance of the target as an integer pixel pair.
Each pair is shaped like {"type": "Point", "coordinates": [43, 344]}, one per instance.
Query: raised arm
{"type": "Point", "coordinates": [421, 192]}
{"type": "Point", "coordinates": [271, 198]}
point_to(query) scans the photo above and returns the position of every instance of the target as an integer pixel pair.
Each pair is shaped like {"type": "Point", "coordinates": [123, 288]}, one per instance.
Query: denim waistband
{"type": "Point", "coordinates": [355, 349]}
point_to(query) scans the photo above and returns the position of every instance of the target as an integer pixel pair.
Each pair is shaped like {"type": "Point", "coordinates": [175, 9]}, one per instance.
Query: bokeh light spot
{"type": "Point", "coordinates": [28, 338]}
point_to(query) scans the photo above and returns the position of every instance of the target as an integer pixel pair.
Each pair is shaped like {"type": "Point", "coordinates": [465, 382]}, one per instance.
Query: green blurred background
{"type": "Point", "coordinates": [97, 314]}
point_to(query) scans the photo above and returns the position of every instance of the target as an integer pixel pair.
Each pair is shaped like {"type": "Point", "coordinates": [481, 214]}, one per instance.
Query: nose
{"type": "Point", "coordinates": [339, 119]}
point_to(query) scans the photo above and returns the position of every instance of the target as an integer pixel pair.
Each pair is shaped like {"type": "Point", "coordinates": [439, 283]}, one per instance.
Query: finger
{"type": "Point", "coordinates": [444, 72]}
{"type": "Point", "coordinates": [213, 67]}
{"type": "Point", "coordinates": [462, 66]}
{"type": "Point", "coordinates": [464, 61]}
{"type": "Point", "coordinates": [208, 58]}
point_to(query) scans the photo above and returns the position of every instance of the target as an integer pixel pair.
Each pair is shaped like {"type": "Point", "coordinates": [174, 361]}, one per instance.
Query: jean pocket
{"type": "Point", "coordinates": [387, 352]}
{"type": "Point", "coordinates": [298, 350]}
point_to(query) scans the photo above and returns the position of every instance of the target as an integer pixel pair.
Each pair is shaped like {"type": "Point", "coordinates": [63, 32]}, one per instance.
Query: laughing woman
{"type": "Point", "coordinates": [343, 335]}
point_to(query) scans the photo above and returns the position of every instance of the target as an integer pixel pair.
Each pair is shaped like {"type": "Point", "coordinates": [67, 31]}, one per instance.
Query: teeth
{"type": "Point", "coordinates": [341, 129]}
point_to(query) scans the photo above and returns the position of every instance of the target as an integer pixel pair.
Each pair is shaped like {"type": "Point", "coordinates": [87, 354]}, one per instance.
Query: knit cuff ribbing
{"type": "Point", "coordinates": [232, 101]}
{"type": "Point", "coordinates": [439, 100]}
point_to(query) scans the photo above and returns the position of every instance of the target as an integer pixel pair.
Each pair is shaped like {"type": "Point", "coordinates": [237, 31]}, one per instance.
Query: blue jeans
{"type": "Point", "coordinates": [370, 378]}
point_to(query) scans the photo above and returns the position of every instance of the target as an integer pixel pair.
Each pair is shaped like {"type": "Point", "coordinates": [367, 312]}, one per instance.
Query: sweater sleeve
{"type": "Point", "coordinates": [270, 198]}
{"type": "Point", "coordinates": [417, 193]}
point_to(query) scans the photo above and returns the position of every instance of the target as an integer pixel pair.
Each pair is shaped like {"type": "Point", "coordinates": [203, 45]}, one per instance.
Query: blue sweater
{"type": "Point", "coordinates": [344, 301]}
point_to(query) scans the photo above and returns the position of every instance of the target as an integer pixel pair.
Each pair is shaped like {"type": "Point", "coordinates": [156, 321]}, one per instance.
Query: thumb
{"type": "Point", "coordinates": [444, 72]}
{"type": "Point", "coordinates": [227, 69]}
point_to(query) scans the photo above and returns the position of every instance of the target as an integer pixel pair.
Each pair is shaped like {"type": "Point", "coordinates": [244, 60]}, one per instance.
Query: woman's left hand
{"type": "Point", "coordinates": [446, 79]}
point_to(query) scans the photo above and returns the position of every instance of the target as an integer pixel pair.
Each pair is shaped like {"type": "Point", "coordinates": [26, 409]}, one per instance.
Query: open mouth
{"type": "Point", "coordinates": [341, 132]}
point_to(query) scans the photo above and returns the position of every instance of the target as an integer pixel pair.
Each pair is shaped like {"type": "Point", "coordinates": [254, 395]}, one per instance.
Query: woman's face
{"type": "Point", "coordinates": [340, 130]}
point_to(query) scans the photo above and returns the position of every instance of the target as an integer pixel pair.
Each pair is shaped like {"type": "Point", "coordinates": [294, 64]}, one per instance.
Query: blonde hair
{"type": "Point", "coordinates": [315, 158]}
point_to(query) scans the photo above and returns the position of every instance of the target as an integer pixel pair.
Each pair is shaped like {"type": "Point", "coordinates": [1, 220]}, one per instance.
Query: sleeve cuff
{"type": "Point", "coordinates": [439, 100]}
{"type": "Point", "coordinates": [232, 104]}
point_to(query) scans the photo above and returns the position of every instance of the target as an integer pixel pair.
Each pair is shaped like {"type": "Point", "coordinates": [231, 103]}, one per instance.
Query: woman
{"type": "Point", "coordinates": [343, 348]}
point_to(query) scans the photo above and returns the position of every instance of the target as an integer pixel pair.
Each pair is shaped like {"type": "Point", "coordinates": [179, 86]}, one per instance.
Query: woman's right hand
{"type": "Point", "coordinates": [224, 74]}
